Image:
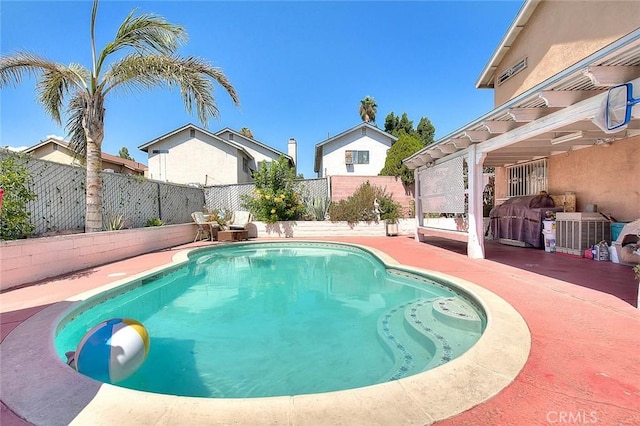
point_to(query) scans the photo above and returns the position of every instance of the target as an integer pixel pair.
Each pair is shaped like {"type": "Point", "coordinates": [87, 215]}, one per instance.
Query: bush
{"type": "Point", "coordinates": [154, 222]}
{"type": "Point", "coordinates": [276, 197]}
{"type": "Point", "coordinates": [360, 207]}
{"type": "Point", "coordinates": [14, 217]}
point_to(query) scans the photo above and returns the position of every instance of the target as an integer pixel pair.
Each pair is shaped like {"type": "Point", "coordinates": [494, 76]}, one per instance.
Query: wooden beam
{"type": "Point", "coordinates": [606, 76]}
{"type": "Point", "coordinates": [447, 148]}
{"type": "Point", "coordinates": [461, 143]}
{"type": "Point", "coordinates": [496, 127]}
{"type": "Point", "coordinates": [477, 135]}
{"type": "Point", "coordinates": [527, 115]}
{"type": "Point", "coordinates": [565, 98]}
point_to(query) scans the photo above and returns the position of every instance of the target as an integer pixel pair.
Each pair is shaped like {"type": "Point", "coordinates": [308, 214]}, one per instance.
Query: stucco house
{"type": "Point", "coordinates": [358, 151]}
{"type": "Point", "coordinates": [551, 75]}
{"type": "Point", "coordinates": [57, 150]}
{"type": "Point", "coordinates": [192, 155]}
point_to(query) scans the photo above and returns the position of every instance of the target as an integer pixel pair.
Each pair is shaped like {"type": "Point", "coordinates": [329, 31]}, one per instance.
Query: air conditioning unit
{"type": "Point", "coordinates": [348, 157]}
{"type": "Point", "coordinates": [576, 232]}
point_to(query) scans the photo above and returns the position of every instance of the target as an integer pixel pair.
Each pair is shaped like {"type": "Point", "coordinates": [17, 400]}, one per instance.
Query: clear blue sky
{"type": "Point", "coordinates": [300, 67]}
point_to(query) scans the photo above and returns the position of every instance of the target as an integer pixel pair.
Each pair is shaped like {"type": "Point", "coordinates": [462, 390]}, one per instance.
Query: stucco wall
{"type": "Point", "coordinates": [202, 159]}
{"type": "Point", "coordinates": [344, 186]}
{"type": "Point", "coordinates": [561, 33]}
{"type": "Point", "coordinates": [608, 176]}
{"type": "Point", "coordinates": [30, 260]}
{"type": "Point", "coordinates": [334, 152]}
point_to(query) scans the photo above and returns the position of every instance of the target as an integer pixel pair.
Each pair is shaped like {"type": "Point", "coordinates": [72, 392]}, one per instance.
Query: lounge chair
{"type": "Point", "coordinates": [240, 220]}
{"type": "Point", "coordinates": [206, 229]}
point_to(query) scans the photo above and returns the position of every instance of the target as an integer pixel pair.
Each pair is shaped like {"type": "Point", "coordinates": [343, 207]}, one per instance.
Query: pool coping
{"type": "Point", "coordinates": [39, 387]}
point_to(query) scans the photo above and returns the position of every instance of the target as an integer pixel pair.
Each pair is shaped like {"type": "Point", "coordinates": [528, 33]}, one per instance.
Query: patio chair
{"type": "Point", "coordinates": [240, 220]}
{"type": "Point", "coordinates": [206, 229]}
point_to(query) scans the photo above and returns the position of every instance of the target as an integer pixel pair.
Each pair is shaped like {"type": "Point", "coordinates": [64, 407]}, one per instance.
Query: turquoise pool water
{"type": "Point", "coordinates": [269, 319]}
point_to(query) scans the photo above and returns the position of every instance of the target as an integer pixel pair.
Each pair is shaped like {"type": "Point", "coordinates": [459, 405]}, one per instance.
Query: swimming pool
{"type": "Point", "coordinates": [42, 389]}
{"type": "Point", "coordinates": [270, 319]}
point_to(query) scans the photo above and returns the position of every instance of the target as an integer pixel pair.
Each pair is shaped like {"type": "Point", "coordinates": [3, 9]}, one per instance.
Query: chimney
{"type": "Point", "coordinates": [292, 150]}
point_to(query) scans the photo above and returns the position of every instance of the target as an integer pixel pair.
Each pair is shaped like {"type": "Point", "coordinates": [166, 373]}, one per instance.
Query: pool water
{"type": "Point", "coordinates": [269, 319]}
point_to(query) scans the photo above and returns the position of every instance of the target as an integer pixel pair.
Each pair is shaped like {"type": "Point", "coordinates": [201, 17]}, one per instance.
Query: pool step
{"type": "Point", "coordinates": [411, 352]}
{"type": "Point", "coordinates": [426, 333]}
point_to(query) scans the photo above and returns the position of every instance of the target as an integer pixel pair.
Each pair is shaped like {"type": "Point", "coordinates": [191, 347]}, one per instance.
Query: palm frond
{"type": "Point", "coordinates": [76, 110]}
{"type": "Point", "coordinates": [54, 83]}
{"type": "Point", "coordinates": [146, 33]}
{"type": "Point", "coordinates": [194, 76]}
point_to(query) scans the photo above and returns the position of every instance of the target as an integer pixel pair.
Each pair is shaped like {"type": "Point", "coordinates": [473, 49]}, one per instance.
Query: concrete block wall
{"type": "Point", "coordinates": [34, 259]}
{"type": "Point", "coordinates": [343, 187]}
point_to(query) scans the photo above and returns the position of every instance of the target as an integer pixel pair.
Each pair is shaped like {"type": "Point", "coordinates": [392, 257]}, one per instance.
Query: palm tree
{"type": "Point", "coordinates": [245, 131]}
{"type": "Point", "coordinates": [368, 109]}
{"type": "Point", "coordinates": [150, 62]}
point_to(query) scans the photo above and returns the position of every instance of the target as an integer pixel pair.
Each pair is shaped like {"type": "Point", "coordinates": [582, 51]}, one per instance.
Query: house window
{"type": "Point", "coordinates": [245, 165]}
{"type": "Point", "coordinates": [192, 133]}
{"type": "Point", "coordinates": [527, 178]}
{"type": "Point", "coordinates": [364, 131]}
{"type": "Point", "coordinates": [230, 136]}
{"type": "Point", "coordinates": [356, 157]}
{"type": "Point", "coordinates": [55, 147]}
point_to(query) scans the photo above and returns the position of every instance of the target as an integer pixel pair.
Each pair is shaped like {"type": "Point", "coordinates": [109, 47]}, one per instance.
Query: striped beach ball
{"type": "Point", "coordinates": [112, 350]}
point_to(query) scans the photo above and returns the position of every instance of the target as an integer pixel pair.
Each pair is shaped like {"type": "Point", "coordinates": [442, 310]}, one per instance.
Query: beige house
{"type": "Point", "coordinates": [57, 150]}
{"type": "Point", "coordinates": [551, 75]}
{"type": "Point", "coordinates": [358, 151]}
{"type": "Point", "coordinates": [192, 155]}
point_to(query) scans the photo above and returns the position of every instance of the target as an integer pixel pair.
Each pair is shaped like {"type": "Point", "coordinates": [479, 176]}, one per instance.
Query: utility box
{"type": "Point", "coordinates": [576, 232]}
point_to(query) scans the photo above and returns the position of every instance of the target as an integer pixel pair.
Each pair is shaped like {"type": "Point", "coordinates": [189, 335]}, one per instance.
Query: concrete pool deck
{"type": "Point", "coordinates": [584, 363]}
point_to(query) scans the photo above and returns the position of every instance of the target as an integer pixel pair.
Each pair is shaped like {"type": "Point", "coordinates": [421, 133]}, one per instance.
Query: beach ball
{"type": "Point", "coordinates": [112, 350]}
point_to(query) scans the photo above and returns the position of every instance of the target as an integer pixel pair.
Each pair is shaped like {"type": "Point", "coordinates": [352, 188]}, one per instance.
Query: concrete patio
{"type": "Point", "coordinates": [584, 364]}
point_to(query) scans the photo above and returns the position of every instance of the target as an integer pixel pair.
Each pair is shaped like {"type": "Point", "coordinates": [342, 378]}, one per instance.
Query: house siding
{"type": "Point", "coordinates": [203, 160]}
{"type": "Point", "coordinates": [560, 34]}
{"type": "Point", "coordinates": [333, 154]}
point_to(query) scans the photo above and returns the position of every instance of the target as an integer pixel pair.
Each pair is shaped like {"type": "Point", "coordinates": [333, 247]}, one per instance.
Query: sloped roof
{"type": "Point", "coordinates": [319, 145]}
{"type": "Point", "coordinates": [128, 164]}
{"type": "Point", "coordinates": [145, 147]}
{"type": "Point", "coordinates": [252, 140]}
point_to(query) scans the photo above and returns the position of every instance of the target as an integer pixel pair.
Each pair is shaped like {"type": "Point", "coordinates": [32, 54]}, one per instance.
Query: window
{"type": "Point", "coordinates": [527, 179]}
{"type": "Point", "coordinates": [356, 157]}
{"type": "Point", "coordinates": [364, 131]}
{"type": "Point", "coordinates": [230, 136]}
{"type": "Point", "coordinates": [192, 133]}
{"type": "Point", "coordinates": [245, 165]}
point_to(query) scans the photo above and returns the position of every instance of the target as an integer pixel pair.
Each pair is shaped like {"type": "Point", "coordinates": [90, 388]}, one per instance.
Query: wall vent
{"type": "Point", "coordinates": [512, 71]}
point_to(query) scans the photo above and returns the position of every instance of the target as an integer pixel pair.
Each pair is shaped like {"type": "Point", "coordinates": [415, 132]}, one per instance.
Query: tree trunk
{"type": "Point", "coordinates": [93, 124]}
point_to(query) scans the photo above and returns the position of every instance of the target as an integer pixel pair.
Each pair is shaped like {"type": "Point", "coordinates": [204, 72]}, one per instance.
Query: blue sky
{"type": "Point", "coordinates": [300, 67]}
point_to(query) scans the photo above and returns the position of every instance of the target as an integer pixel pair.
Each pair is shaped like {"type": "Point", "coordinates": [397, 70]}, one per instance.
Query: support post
{"type": "Point", "coordinates": [475, 243]}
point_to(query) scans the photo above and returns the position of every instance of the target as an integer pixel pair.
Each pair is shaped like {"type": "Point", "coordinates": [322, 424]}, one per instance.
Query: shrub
{"type": "Point", "coordinates": [154, 222]}
{"type": "Point", "coordinates": [276, 197]}
{"type": "Point", "coordinates": [316, 208]}
{"type": "Point", "coordinates": [360, 207]}
{"type": "Point", "coordinates": [14, 217]}
{"type": "Point", "coordinates": [115, 222]}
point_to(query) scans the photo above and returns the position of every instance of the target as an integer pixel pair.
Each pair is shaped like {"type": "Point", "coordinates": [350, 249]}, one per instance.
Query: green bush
{"type": "Point", "coordinates": [360, 207]}
{"type": "Point", "coordinates": [276, 197]}
{"type": "Point", "coordinates": [156, 221]}
{"type": "Point", "coordinates": [14, 217]}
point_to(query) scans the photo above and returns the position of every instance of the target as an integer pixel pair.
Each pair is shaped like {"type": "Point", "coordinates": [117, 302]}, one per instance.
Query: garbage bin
{"type": "Point", "coordinates": [549, 232]}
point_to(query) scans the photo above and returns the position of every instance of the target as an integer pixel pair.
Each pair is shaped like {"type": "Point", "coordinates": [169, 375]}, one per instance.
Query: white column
{"type": "Point", "coordinates": [475, 243]}
{"type": "Point", "coordinates": [417, 204]}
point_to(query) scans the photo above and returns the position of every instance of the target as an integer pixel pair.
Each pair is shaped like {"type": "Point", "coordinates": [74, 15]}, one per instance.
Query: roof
{"type": "Point", "coordinates": [145, 147]}
{"type": "Point", "coordinates": [522, 129]}
{"type": "Point", "coordinates": [319, 145]}
{"type": "Point", "coordinates": [128, 164]}
{"type": "Point", "coordinates": [486, 79]}
{"type": "Point", "coordinates": [252, 140]}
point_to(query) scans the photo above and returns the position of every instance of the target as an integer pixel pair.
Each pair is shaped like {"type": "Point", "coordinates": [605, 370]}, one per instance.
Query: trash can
{"type": "Point", "coordinates": [549, 233]}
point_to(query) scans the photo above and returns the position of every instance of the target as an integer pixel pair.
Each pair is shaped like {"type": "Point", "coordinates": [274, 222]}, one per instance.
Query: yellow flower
{"type": "Point", "coordinates": [267, 196]}
{"type": "Point", "coordinates": [273, 211]}
{"type": "Point", "coordinates": [277, 200]}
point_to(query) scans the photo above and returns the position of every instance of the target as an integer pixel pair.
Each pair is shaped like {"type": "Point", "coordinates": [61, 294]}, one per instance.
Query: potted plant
{"type": "Point", "coordinates": [390, 212]}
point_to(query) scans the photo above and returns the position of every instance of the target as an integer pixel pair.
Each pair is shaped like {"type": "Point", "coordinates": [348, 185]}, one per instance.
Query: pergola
{"type": "Point", "coordinates": [556, 116]}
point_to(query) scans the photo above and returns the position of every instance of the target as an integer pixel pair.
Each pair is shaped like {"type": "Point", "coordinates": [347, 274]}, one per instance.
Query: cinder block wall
{"type": "Point", "coordinates": [344, 186]}
{"type": "Point", "coordinates": [34, 259]}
